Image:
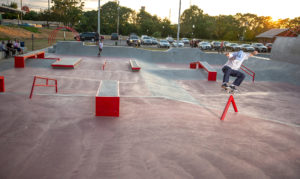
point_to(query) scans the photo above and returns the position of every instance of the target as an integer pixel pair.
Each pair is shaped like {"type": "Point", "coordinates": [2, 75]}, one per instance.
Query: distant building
{"type": "Point", "coordinates": [270, 35]}
{"type": "Point", "coordinates": [143, 8]}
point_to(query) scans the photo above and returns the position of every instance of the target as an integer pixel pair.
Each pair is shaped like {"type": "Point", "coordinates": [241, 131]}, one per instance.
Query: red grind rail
{"type": "Point", "coordinates": [103, 66]}
{"type": "Point", "coordinates": [46, 85]}
{"type": "Point", "coordinates": [227, 106]}
{"type": "Point", "coordinates": [248, 71]}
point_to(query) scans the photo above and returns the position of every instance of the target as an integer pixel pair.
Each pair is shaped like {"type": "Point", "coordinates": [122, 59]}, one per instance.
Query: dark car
{"type": "Point", "coordinates": [133, 40]}
{"type": "Point", "coordinates": [93, 36]}
{"type": "Point", "coordinates": [114, 36]}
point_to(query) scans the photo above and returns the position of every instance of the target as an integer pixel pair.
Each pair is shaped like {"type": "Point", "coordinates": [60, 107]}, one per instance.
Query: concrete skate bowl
{"type": "Point", "coordinates": [169, 124]}
{"type": "Point", "coordinates": [286, 49]}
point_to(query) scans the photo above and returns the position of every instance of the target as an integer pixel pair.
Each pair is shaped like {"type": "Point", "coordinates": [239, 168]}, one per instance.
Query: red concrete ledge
{"type": "Point", "coordinates": [212, 73]}
{"type": "Point", "coordinates": [2, 84]}
{"type": "Point", "coordinates": [20, 59]}
{"type": "Point", "coordinates": [107, 100]}
{"type": "Point", "coordinates": [134, 65]}
{"type": "Point", "coordinates": [66, 63]}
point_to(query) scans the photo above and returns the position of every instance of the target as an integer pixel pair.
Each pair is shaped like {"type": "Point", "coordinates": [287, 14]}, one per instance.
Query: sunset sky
{"type": "Point", "coordinates": [162, 8]}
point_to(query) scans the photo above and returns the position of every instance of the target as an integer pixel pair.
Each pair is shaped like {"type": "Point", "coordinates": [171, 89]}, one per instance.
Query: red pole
{"type": "Point", "coordinates": [32, 88]}
{"type": "Point", "coordinates": [56, 85]}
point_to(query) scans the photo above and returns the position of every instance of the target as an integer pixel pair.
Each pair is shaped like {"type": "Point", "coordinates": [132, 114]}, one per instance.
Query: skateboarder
{"type": "Point", "coordinates": [100, 44]}
{"type": "Point", "coordinates": [231, 68]}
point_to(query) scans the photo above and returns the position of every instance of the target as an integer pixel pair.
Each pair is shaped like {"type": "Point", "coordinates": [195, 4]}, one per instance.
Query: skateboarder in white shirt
{"type": "Point", "coordinates": [231, 68]}
{"type": "Point", "coordinates": [100, 44]}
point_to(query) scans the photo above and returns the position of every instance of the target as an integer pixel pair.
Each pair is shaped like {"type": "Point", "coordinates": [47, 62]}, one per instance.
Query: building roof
{"type": "Point", "coordinates": [9, 9]}
{"type": "Point", "coordinates": [271, 33]}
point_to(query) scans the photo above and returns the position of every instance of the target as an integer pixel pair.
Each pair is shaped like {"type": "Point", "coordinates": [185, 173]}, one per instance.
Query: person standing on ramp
{"type": "Point", "coordinates": [231, 68]}
{"type": "Point", "coordinates": [100, 45]}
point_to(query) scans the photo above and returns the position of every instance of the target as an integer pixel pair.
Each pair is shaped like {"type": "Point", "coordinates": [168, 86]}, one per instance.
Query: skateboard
{"type": "Point", "coordinates": [230, 91]}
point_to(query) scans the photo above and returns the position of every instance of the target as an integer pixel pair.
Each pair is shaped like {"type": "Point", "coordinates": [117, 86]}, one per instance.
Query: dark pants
{"type": "Point", "coordinates": [235, 73]}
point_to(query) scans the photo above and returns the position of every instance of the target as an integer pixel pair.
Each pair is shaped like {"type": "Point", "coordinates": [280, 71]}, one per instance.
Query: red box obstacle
{"type": "Point", "coordinates": [193, 65]}
{"type": "Point", "coordinates": [2, 85]}
{"type": "Point", "coordinates": [20, 59]}
{"type": "Point", "coordinates": [227, 106]}
{"type": "Point", "coordinates": [212, 74]}
{"type": "Point", "coordinates": [107, 100]}
{"type": "Point", "coordinates": [46, 85]}
{"type": "Point", "coordinates": [134, 65]}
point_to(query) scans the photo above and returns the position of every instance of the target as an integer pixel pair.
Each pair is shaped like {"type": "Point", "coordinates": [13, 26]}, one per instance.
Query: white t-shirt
{"type": "Point", "coordinates": [100, 45]}
{"type": "Point", "coordinates": [236, 59]}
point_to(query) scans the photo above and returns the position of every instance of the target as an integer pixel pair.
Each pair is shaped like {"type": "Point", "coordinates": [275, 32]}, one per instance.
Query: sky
{"type": "Point", "coordinates": [170, 8]}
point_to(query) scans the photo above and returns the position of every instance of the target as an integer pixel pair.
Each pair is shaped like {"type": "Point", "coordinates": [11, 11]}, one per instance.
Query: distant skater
{"type": "Point", "coordinates": [231, 68]}
{"type": "Point", "coordinates": [100, 45]}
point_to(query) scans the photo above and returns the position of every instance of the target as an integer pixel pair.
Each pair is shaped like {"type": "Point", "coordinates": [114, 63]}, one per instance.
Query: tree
{"type": "Point", "coordinates": [68, 11]}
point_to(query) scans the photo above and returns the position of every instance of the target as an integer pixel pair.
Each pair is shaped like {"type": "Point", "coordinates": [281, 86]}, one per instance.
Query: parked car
{"type": "Point", "coordinates": [269, 46]}
{"type": "Point", "coordinates": [185, 40]}
{"type": "Point", "coordinates": [259, 47]}
{"type": "Point", "coordinates": [114, 36]}
{"type": "Point", "coordinates": [170, 39]}
{"type": "Point", "coordinates": [215, 45]}
{"type": "Point", "coordinates": [93, 36]}
{"type": "Point", "coordinates": [194, 42]}
{"type": "Point", "coordinates": [133, 40]}
{"type": "Point", "coordinates": [179, 44]}
{"type": "Point", "coordinates": [233, 47]}
{"type": "Point", "coordinates": [204, 46]}
{"type": "Point", "coordinates": [146, 40]}
{"type": "Point", "coordinates": [154, 41]}
{"type": "Point", "coordinates": [247, 48]}
{"type": "Point", "coordinates": [163, 44]}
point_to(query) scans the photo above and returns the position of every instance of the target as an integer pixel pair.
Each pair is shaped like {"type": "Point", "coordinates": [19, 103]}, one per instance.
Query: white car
{"type": "Point", "coordinates": [185, 40]}
{"type": "Point", "coordinates": [247, 48]}
{"type": "Point", "coordinates": [163, 44]}
{"type": "Point", "coordinates": [146, 40]}
{"type": "Point", "coordinates": [179, 44]}
{"type": "Point", "coordinates": [204, 46]}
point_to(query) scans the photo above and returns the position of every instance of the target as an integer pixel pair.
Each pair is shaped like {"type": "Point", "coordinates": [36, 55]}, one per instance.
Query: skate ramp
{"type": "Point", "coordinates": [286, 49]}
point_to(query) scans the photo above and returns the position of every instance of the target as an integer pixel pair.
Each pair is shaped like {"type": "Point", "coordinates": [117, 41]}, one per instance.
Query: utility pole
{"type": "Point", "coordinates": [178, 29]}
{"type": "Point", "coordinates": [99, 17]}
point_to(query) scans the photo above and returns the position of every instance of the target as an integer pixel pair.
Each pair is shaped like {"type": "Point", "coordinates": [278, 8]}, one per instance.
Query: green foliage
{"type": "Point", "coordinates": [156, 34]}
{"type": "Point", "coordinates": [31, 29]}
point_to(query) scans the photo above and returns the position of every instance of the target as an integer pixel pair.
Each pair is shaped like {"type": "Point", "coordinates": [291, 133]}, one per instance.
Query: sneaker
{"type": "Point", "coordinates": [225, 86]}
{"type": "Point", "coordinates": [233, 88]}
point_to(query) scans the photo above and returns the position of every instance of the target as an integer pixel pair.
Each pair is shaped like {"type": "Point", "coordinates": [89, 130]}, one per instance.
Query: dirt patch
{"type": "Point", "coordinates": [20, 33]}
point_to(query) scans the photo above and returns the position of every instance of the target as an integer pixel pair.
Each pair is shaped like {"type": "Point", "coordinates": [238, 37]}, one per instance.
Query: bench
{"type": "Point", "coordinates": [20, 59]}
{"type": "Point", "coordinates": [212, 73]}
{"type": "Point", "coordinates": [107, 100]}
{"type": "Point", "coordinates": [66, 63]}
{"type": "Point", "coordinates": [2, 87]}
{"type": "Point", "coordinates": [134, 66]}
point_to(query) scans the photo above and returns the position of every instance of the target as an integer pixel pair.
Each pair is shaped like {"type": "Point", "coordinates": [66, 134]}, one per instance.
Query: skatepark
{"type": "Point", "coordinates": [169, 117]}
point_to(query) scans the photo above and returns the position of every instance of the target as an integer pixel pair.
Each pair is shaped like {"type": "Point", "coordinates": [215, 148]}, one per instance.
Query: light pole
{"type": "Point", "coordinates": [118, 18]}
{"type": "Point", "coordinates": [178, 29]}
{"type": "Point", "coordinates": [99, 17]}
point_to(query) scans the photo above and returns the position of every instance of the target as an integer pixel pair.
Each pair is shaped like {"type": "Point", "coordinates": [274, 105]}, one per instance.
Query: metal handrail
{"type": "Point", "coordinates": [249, 72]}
{"type": "Point", "coordinates": [46, 85]}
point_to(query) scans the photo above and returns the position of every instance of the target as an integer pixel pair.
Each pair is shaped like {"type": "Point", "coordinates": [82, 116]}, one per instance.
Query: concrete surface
{"type": "Point", "coordinates": [286, 49]}
{"type": "Point", "coordinates": [169, 124]}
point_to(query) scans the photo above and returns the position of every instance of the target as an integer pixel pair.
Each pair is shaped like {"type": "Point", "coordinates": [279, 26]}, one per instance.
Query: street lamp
{"type": "Point", "coordinates": [178, 29]}
{"type": "Point", "coordinates": [99, 17]}
{"type": "Point", "coordinates": [118, 18]}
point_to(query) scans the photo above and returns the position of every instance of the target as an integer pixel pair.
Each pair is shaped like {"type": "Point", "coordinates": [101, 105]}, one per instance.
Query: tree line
{"type": "Point", "coordinates": [194, 22]}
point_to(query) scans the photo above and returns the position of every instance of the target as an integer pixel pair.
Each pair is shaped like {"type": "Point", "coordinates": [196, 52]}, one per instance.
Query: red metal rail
{"type": "Point", "coordinates": [230, 100]}
{"type": "Point", "coordinates": [46, 85]}
{"type": "Point", "coordinates": [103, 66]}
{"type": "Point", "coordinates": [248, 71]}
